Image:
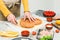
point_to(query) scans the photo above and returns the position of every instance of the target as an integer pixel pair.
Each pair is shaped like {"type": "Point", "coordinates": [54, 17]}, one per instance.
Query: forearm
{"type": "Point", "coordinates": [25, 4]}
{"type": "Point", "coordinates": [4, 9]}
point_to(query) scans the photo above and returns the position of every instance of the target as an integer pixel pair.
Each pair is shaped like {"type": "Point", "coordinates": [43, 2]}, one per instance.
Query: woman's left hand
{"type": "Point", "coordinates": [29, 16]}
{"type": "Point", "coordinates": [56, 17]}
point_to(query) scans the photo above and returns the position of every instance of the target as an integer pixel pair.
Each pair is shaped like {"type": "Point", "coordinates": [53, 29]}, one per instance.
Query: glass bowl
{"type": "Point", "coordinates": [45, 35]}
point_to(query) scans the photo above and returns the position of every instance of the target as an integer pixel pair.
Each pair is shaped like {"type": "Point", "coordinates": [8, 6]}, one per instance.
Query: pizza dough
{"type": "Point", "coordinates": [37, 21]}
{"type": "Point", "coordinates": [28, 24]}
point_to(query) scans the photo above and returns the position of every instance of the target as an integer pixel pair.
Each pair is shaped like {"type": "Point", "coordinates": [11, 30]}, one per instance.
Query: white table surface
{"type": "Point", "coordinates": [19, 29]}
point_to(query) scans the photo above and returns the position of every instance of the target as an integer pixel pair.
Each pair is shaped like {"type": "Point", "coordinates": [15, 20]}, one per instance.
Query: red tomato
{"type": "Point", "coordinates": [57, 31]}
{"type": "Point", "coordinates": [33, 33]}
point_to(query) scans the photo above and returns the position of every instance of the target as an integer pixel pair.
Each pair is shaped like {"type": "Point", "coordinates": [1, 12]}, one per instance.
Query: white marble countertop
{"type": "Point", "coordinates": [19, 29]}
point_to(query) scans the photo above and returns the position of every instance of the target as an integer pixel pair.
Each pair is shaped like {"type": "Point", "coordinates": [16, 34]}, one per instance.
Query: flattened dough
{"type": "Point", "coordinates": [38, 21]}
{"type": "Point", "coordinates": [28, 24]}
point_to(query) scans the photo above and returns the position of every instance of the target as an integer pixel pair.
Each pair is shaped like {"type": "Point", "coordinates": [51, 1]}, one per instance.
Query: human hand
{"type": "Point", "coordinates": [56, 17]}
{"type": "Point", "coordinates": [28, 15]}
{"type": "Point", "coordinates": [11, 18]}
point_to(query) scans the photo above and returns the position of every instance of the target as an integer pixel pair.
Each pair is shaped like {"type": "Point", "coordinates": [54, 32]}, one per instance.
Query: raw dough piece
{"type": "Point", "coordinates": [37, 21]}
{"type": "Point", "coordinates": [26, 23]}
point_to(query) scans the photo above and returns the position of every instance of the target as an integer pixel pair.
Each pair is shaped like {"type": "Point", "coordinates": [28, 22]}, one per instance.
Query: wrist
{"type": "Point", "coordinates": [9, 15]}
{"type": "Point", "coordinates": [26, 11]}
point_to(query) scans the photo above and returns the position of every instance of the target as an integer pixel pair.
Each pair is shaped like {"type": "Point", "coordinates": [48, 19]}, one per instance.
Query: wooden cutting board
{"type": "Point", "coordinates": [55, 25]}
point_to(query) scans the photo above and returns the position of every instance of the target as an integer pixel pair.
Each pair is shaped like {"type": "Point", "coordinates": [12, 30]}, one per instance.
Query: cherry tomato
{"type": "Point", "coordinates": [57, 31]}
{"type": "Point", "coordinates": [33, 33]}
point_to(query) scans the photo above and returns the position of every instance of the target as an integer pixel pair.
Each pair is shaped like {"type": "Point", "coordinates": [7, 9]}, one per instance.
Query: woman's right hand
{"type": "Point", "coordinates": [11, 18]}
{"type": "Point", "coordinates": [29, 16]}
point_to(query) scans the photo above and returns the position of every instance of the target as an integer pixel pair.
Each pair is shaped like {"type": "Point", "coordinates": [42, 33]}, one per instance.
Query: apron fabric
{"type": "Point", "coordinates": [13, 6]}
